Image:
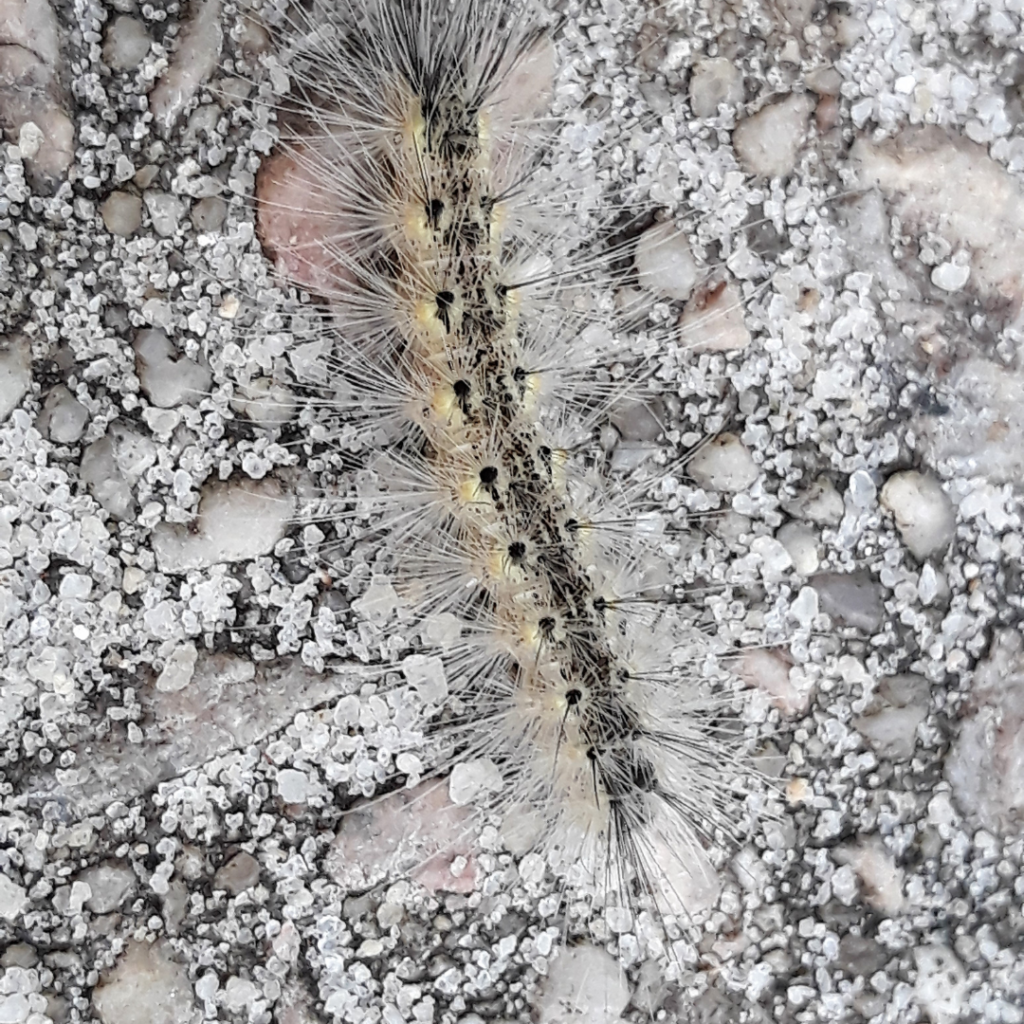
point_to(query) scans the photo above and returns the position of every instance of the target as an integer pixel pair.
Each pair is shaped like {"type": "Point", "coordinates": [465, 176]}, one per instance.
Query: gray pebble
{"type": "Point", "coordinates": [208, 214]}
{"type": "Point", "coordinates": [238, 874]}
{"type": "Point", "coordinates": [851, 599]}
{"type": "Point", "coordinates": [166, 212]}
{"type": "Point", "coordinates": [122, 213]}
{"type": "Point", "coordinates": [127, 44]}
{"type": "Point", "coordinates": [63, 418]}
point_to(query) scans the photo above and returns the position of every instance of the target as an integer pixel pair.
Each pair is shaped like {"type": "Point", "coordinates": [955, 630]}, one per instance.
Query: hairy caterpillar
{"type": "Point", "coordinates": [467, 327]}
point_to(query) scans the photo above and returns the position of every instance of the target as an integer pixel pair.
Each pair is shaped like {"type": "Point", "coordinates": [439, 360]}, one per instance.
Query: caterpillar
{"type": "Point", "coordinates": [419, 200]}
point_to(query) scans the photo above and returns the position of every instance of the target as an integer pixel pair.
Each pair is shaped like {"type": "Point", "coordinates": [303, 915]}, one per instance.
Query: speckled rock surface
{"type": "Point", "coordinates": [197, 686]}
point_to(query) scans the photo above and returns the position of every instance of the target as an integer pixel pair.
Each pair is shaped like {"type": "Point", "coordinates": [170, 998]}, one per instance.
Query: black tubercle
{"type": "Point", "coordinates": [444, 304]}
{"type": "Point", "coordinates": [462, 389]}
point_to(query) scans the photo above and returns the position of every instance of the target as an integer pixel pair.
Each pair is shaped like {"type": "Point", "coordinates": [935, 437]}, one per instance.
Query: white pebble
{"type": "Point", "coordinates": [425, 674]}
{"type": "Point", "coordinates": [805, 607]}
{"type": "Point", "coordinates": [862, 489]}
{"type": "Point", "coordinates": [15, 373]}
{"type": "Point", "coordinates": [951, 276]}
{"type": "Point", "coordinates": [881, 879]}
{"type": "Point", "coordinates": [15, 1008]}
{"type": "Point", "coordinates": [166, 377]}
{"type": "Point", "coordinates": [30, 140]}
{"type": "Point", "coordinates": [715, 80]}
{"type": "Point", "coordinates": [239, 993]}
{"type": "Point", "coordinates": [900, 707]}
{"type": "Point", "coordinates": [802, 544]}
{"type": "Point", "coordinates": [470, 780]}
{"type": "Point", "coordinates": [13, 899]}
{"type": "Point", "coordinates": [724, 464]}
{"type": "Point", "coordinates": [292, 786]}
{"type": "Point", "coordinates": [264, 402]}
{"type": "Point", "coordinates": [772, 673]}
{"type": "Point", "coordinates": [820, 503]}
{"type": "Point", "coordinates": [378, 602]}
{"type": "Point", "coordinates": [844, 885]}
{"type": "Point", "coordinates": [923, 512]}
{"type": "Point", "coordinates": [931, 584]}
{"type": "Point", "coordinates": [165, 212]}
{"type": "Point", "coordinates": [665, 266]}
{"type": "Point", "coordinates": [713, 322]}
{"type": "Point", "coordinates": [109, 883]}
{"type": "Point", "coordinates": [237, 521]}
{"type": "Point", "coordinates": [775, 559]}
{"type": "Point", "coordinates": [178, 669]}
{"type": "Point", "coordinates": [63, 418]}
{"type": "Point", "coordinates": [941, 986]}
{"type": "Point", "coordinates": [768, 143]}
{"type": "Point", "coordinates": [111, 466]}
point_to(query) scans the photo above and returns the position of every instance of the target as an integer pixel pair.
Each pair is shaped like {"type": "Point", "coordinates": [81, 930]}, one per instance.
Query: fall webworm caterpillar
{"type": "Point", "coordinates": [423, 199]}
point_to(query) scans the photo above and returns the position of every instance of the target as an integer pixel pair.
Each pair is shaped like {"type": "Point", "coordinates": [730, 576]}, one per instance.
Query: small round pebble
{"type": "Point", "coordinates": [636, 420]}
{"type": "Point", "coordinates": [63, 418]}
{"type": "Point", "coordinates": [126, 45]}
{"type": "Point", "coordinates": [13, 899]}
{"type": "Point", "coordinates": [772, 672]}
{"type": "Point", "coordinates": [178, 669]}
{"type": "Point", "coordinates": [264, 402]}
{"type": "Point", "coordinates": [122, 213]}
{"type": "Point", "coordinates": [724, 464]}
{"type": "Point", "coordinates": [238, 874]}
{"type": "Point", "coordinates": [208, 214]}
{"type": "Point", "coordinates": [862, 489]}
{"type": "Point", "coordinates": [901, 706]}
{"type": "Point", "coordinates": [166, 377]}
{"type": "Point", "coordinates": [820, 503]}
{"type": "Point", "coordinates": [951, 276]}
{"type": "Point", "coordinates": [923, 512]}
{"type": "Point", "coordinates": [293, 786]}
{"type": "Point", "coordinates": [237, 521]}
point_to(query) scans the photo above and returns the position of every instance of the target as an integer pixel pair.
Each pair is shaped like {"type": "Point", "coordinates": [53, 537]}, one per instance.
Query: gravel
{"type": "Point", "coordinates": [200, 684]}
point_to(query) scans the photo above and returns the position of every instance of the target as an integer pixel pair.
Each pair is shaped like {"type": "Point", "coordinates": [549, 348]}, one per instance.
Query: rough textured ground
{"type": "Point", "coordinates": [186, 703]}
